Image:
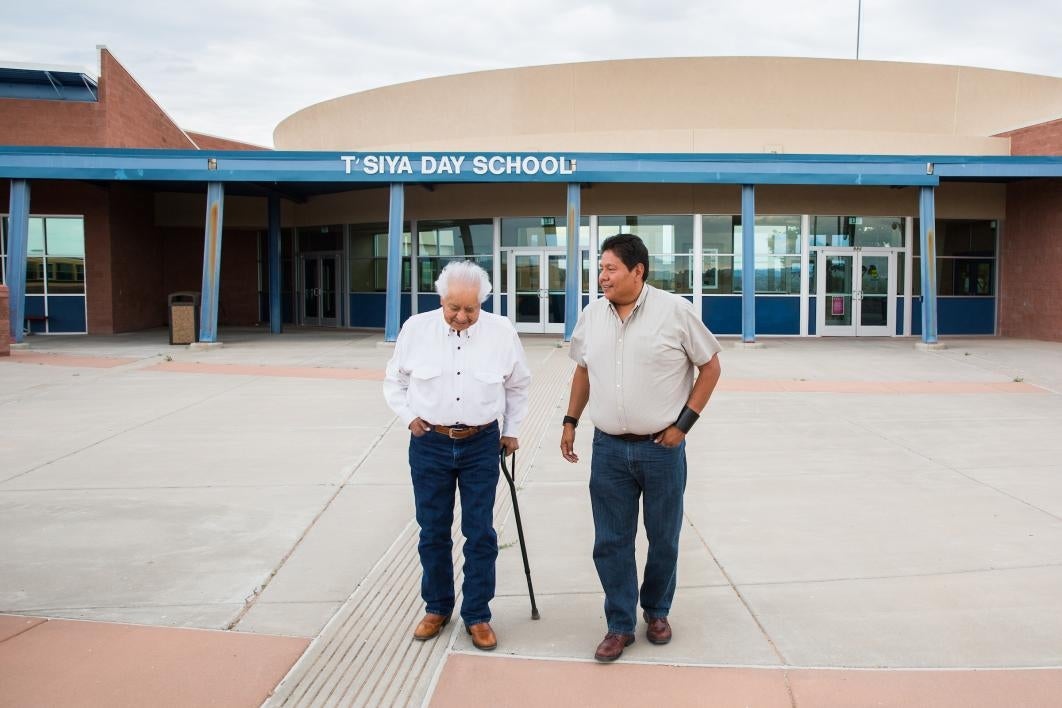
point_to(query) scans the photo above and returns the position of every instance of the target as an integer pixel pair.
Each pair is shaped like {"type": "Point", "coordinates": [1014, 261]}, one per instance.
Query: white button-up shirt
{"type": "Point", "coordinates": [445, 377]}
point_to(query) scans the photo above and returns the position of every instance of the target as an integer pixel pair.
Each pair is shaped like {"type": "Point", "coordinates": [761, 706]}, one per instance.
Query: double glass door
{"type": "Point", "coordinates": [320, 291]}
{"type": "Point", "coordinates": [536, 290]}
{"type": "Point", "coordinates": [856, 292]}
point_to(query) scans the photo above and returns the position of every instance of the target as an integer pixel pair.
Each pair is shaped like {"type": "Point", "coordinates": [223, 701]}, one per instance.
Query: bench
{"type": "Point", "coordinates": [34, 318]}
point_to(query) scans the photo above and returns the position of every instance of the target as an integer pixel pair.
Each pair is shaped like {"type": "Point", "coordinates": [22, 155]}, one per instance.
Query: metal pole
{"type": "Point", "coordinates": [275, 315]}
{"type": "Point", "coordinates": [859, 26]}
{"type": "Point", "coordinates": [17, 249]}
{"type": "Point", "coordinates": [928, 237]}
{"type": "Point", "coordinates": [748, 263]}
{"type": "Point", "coordinates": [573, 298]}
{"type": "Point", "coordinates": [208, 302]}
{"type": "Point", "coordinates": [393, 302]}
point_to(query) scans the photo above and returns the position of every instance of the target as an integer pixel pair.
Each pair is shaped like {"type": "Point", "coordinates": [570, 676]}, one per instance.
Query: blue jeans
{"type": "Point", "coordinates": [620, 473]}
{"type": "Point", "coordinates": [439, 466]}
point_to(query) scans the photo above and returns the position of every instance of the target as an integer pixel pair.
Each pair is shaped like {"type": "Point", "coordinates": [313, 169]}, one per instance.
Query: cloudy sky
{"type": "Point", "coordinates": [236, 68]}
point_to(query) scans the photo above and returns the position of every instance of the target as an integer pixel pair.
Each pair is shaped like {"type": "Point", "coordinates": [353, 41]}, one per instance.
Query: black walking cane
{"type": "Point", "coordinates": [519, 529]}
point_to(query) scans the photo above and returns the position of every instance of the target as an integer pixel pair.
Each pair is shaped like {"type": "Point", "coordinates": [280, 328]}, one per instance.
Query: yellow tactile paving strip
{"type": "Point", "coordinates": [73, 663]}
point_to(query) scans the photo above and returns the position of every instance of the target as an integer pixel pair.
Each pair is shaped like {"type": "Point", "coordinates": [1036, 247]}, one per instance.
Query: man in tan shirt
{"type": "Point", "coordinates": [636, 350]}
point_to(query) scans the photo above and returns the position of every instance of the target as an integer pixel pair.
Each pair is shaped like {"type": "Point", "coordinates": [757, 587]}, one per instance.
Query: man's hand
{"type": "Point", "coordinates": [671, 437]}
{"type": "Point", "coordinates": [510, 445]}
{"type": "Point", "coordinates": [568, 443]}
{"type": "Point", "coordinates": [418, 427]}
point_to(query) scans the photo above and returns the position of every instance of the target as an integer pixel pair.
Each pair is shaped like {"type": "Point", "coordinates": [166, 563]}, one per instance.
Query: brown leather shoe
{"type": "Point", "coordinates": [659, 629]}
{"type": "Point", "coordinates": [612, 646]}
{"type": "Point", "coordinates": [430, 627]}
{"type": "Point", "coordinates": [482, 636]}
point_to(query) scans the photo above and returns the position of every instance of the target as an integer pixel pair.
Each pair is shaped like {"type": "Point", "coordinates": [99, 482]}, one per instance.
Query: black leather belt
{"type": "Point", "coordinates": [633, 437]}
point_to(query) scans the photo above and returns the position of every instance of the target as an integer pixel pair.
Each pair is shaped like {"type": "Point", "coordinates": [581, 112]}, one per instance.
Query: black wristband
{"type": "Point", "coordinates": [571, 419]}
{"type": "Point", "coordinates": [686, 419]}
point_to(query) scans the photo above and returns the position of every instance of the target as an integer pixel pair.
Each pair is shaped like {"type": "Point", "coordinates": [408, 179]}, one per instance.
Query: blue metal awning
{"type": "Point", "coordinates": [367, 169]}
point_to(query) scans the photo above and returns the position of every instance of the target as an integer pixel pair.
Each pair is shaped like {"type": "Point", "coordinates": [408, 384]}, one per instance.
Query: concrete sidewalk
{"type": "Point", "coordinates": [867, 524]}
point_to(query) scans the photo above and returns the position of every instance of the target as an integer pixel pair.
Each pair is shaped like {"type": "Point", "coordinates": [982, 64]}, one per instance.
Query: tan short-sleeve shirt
{"type": "Point", "coordinates": [641, 370]}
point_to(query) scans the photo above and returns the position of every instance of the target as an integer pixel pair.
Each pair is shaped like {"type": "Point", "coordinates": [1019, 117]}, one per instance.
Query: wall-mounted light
{"type": "Point", "coordinates": [929, 168]}
{"type": "Point", "coordinates": [212, 163]}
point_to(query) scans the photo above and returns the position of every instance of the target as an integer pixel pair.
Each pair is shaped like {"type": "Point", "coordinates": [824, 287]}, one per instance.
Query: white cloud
{"type": "Point", "coordinates": [236, 68]}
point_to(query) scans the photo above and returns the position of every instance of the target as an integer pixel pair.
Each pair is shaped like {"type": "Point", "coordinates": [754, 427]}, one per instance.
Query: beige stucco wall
{"type": "Point", "coordinates": [707, 104]}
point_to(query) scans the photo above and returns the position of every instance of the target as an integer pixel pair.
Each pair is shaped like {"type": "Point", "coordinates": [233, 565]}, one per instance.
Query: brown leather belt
{"type": "Point", "coordinates": [457, 432]}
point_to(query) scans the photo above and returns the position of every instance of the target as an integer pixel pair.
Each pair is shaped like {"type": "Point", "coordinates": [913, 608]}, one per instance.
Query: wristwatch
{"type": "Point", "coordinates": [571, 419]}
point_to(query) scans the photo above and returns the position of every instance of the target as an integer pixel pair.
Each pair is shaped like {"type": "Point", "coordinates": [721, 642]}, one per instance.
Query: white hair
{"type": "Point", "coordinates": [464, 273]}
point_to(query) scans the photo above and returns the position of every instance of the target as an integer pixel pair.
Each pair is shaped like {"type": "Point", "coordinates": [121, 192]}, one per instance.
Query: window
{"type": "Point", "coordinates": [966, 258]}
{"type": "Point", "coordinates": [777, 244]}
{"type": "Point", "coordinates": [368, 258]}
{"type": "Point", "coordinates": [55, 255]}
{"type": "Point", "coordinates": [670, 243]}
{"type": "Point", "coordinates": [443, 241]}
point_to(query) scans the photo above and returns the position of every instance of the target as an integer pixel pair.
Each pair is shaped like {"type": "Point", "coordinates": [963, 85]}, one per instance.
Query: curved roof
{"type": "Point", "coordinates": [693, 105]}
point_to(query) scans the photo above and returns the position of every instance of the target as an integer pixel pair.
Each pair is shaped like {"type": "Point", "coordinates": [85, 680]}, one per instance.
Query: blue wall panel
{"type": "Point", "coordinates": [367, 309]}
{"type": "Point", "coordinates": [778, 315]}
{"type": "Point", "coordinates": [722, 313]}
{"type": "Point", "coordinates": [899, 315]}
{"type": "Point", "coordinates": [967, 315]}
{"type": "Point", "coordinates": [66, 314]}
{"type": "Point", "coordinates": [35, 307]}
{"type": "Point", "coordinates": [813, 320]}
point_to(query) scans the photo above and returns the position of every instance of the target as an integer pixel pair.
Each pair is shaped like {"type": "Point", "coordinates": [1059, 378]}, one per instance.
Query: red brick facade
{"type": "Point", "coordinates": [1031, 261]}
{"type": "Point", "coordinates": [1040, 139]}
{"type": "Point", "coordinates": [1031, 247]}
{"type": "Point", "coordinates": [5, 323]}
{"type": "Point", "coordinates": [131, 264]}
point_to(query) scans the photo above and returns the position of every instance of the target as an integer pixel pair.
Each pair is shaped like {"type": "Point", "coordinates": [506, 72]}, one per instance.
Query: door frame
{"type": "Point", "coordinates": [856, 328]}
{"type": "Point", "coordinates": [543, 326]}
{"type": "Point", "coordinates": [319, 257]}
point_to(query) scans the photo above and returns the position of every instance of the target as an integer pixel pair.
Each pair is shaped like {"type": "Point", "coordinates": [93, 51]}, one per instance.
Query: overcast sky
{"type": "Point", "coordinates": [236, 68]}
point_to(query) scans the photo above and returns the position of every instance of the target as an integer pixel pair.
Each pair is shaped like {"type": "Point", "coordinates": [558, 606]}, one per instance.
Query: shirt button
{"type": "Point", "coordinates": [458, 373]}
{"type": "Point", "coordinates": [459, 398]}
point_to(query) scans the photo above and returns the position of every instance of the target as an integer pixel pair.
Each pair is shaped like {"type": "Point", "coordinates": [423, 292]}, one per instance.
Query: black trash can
{"type": "Point", "coordinates": [183, 311]}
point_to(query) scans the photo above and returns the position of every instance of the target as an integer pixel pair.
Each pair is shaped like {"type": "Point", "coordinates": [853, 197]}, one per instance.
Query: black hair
{"type": "Point", "coordinates": [630, 249]}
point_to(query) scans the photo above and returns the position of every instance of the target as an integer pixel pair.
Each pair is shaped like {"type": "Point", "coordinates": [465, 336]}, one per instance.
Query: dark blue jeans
{"type": "Point", "coordinates": [439, 466]}
{"type": "Point", "coordinates": [620, 473]}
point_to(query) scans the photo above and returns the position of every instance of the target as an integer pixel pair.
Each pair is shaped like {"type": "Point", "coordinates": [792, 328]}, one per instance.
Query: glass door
{"type": "Point", "coordinates": [856, 292]}
{"type": "Point", "coordinates": [320, 290]}
{"type": "Point", "coordinates": [536, 290]}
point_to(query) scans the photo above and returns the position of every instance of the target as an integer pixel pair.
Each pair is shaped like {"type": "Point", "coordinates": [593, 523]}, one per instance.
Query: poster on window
{"type": "Point", "coordinates": [837, 305]}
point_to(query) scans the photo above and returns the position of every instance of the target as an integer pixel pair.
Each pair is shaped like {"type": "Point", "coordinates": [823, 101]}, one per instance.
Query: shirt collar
{"type": "Point", "coordinates": [637, 303]}
{"type": "Point", "coordinates": [450, 332]}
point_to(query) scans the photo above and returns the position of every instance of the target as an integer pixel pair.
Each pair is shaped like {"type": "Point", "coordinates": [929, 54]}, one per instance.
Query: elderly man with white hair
{"type": "Point", "coordinates": [454, 373]}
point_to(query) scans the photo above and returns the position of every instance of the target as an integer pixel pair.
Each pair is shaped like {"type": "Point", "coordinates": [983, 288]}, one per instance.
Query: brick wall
{"type": "Point", "coordinates": [136, 259]}
{"type": "Point", "coordinates": [1031, 261]}
{"type": "Point", "coordinates": [133, 119]}
{"type": "Point", "coordinates": [5, 323]}
{"type": "Point", "coordinates": [238, 296]}
{"type": "Point", "coordinates": [1040, 139]}
{"type": "Point", "coordinates": [212, 142]}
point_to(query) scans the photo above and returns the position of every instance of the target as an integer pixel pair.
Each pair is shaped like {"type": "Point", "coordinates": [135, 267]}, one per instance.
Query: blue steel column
{"type": "Point", "coordinates": [17, 246]}
{"type": "Point", "coordinates": [573, 298]}
{"type": "Point", "coordinates": [927, 215]}
{"type": "Point", "coordinates": [275, 315]}
{"type": "Point", "coordinates": [208, 301]}
{"type": "Point", "coordinates": [748, 263]}
{"type": "Point", "coordinates": [393, 303]}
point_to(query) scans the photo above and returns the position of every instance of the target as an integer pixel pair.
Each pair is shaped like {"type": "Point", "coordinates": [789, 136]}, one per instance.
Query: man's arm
{"type": "Point", "coordinates": [577, 400]}
{"type": "Point", "coordinates": [707, 378]}
{"type": "Point", "coordinates": [396, 388]}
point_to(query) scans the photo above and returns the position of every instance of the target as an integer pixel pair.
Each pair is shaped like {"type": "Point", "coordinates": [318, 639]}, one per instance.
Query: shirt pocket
{"type": "Point", "coordinates": [489, 388]}
{"type": "Point", "coordinates": [425, 384]}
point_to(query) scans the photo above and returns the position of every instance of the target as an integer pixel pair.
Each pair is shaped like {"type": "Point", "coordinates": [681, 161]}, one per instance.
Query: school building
{"type": "Point", "coordinates": [800, 197]}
